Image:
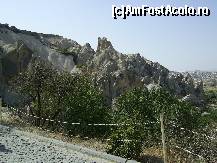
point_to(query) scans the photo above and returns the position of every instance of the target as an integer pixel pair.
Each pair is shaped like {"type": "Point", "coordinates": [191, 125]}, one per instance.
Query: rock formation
{"type": "Point", "coordinates": [112, 71]}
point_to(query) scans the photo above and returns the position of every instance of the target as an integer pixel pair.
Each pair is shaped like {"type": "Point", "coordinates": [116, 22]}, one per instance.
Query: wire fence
{"type": "Point", "coordinates": [170, 144]}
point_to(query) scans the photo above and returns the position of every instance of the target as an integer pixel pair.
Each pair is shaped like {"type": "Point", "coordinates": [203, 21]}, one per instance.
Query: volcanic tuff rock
{"type": "Point", "coordinates": [209, 78]}
{"type": "Point", "coordinates": [113, 71]}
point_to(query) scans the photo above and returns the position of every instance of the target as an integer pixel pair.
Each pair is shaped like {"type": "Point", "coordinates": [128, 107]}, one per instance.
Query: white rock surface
{"type": "Point", "coordinates": [112, 71]}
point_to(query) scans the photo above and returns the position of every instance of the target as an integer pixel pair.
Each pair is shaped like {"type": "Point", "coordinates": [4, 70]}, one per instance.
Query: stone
{"type": "Point", "coordinates": [191, 98]}
{"type": "Point", "coordinates": [14, 59]}
{"type": "Point", "coordinates": [112, 71]}
{"type": "Point", "coordinates": [85, 55]}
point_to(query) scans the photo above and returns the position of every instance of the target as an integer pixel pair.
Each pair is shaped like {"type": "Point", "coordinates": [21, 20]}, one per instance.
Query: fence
{"type": "Point", "coordinates": [165, 144]}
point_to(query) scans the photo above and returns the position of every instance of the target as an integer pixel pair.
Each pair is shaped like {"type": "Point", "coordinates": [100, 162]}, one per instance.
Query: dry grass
{"type": "Point", "coordinates": [151, 155]}
{"type": "Point", "coordinates": [8, 119]}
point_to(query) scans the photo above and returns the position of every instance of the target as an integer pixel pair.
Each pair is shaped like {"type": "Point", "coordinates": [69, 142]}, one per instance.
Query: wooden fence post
{"type": "Point", "coordinates": [163, 136]}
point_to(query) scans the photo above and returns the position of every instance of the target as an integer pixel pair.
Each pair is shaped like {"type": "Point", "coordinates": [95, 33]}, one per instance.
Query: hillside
{"type": "Point", "coordinates": [209, 77]}
{"type": "Point", "coordinates": [111, 70]}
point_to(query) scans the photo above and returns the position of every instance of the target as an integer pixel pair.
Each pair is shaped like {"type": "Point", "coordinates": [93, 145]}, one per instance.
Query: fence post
{"type": "Point", "coordinates": [163, 136]}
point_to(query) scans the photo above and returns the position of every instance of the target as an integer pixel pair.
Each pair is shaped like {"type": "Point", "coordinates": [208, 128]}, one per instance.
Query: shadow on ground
{"type": "Point", "coordinates": [4, 131]}
{"type": "Point", "coordinates": [3, 149]}
{"type": "Point", "coordinates": [150, 159]}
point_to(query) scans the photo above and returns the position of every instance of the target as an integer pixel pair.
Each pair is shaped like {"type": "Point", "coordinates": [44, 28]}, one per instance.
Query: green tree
{"type": "Point", "coordinates": [85, 104]}
{"type": "Point", "coordinates": [33, 83]}
{"type": "Point", "coordinates": [133, 109]}
{"type": "Point", "coordinates": [139, 109]}
{"type": "Point", "coordinates": [62, 96]}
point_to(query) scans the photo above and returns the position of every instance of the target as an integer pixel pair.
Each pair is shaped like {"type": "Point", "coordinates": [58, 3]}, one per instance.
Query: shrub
{"type": "Point", "coordinates": [139, 109]}
{"type": "Point", "coordinates": [61, 96]}
{"type": "Point", "coordinates": [134, 109]}
{"type": "Point", "coordinates": [34, 83]}
{"type": "Point", "coordinates": [127, 141]}
{"type": "Point", "coordinates": [211, 95]}
{"type": "Point", "coordinates": [85, 104]}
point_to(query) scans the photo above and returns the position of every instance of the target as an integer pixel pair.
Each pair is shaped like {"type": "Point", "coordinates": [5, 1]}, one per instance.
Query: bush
{"type": "Point", "coordinates": [134, 109]}
{"type": "Point", "coordinates": [126, 141]}
{"type": "Point", "coordinates": [139, 109]}
{"type": "Point", "coordinates": [85, 104]}
{"type": "Point", "coordinates": [211, 95]}
{"type": "Point", "coordinates": [61, 96]}
{"type": "Point", "coordinates": [35, 83]}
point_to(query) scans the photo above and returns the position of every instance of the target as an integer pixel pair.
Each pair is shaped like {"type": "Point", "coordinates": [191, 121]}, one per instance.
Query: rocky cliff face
{"type": "Point", "coordinates": [209, 78]}
{"type": "Point", "coordinates": [113, 71]}
{"type": "Point", "coordinates": [13, 59]}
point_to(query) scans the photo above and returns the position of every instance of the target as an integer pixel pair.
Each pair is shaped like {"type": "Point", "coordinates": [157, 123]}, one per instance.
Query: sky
{"type": "Point", "coordinates": [178, 43]}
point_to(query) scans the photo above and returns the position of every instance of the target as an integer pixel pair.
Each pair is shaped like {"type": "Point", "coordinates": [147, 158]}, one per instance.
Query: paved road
{"type": "Point", "coordinates": [17, 146]}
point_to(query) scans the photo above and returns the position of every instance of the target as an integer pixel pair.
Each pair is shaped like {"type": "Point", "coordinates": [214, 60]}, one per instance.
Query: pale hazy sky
{"type": "Point", "coordinates": [179, 43]}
